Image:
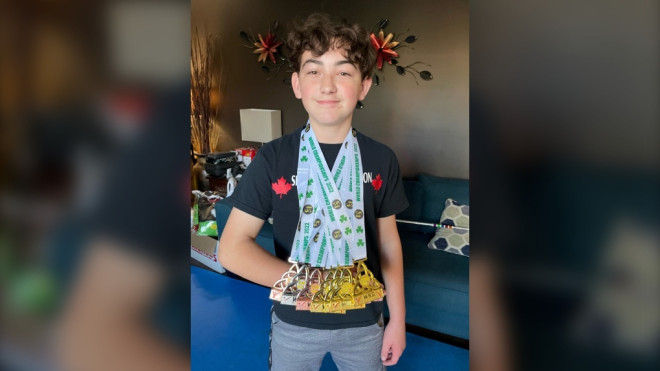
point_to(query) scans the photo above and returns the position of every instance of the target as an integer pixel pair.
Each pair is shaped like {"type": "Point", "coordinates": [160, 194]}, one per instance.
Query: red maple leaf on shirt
{"type": "Point", "coordinates": [281, 187]}
{"type": "Point", "coordinates": [377, 183]}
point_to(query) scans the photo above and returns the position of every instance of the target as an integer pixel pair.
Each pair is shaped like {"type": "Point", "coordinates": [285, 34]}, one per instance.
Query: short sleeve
{"type": "Point", "coordinates": [253, 191]}
{"type": "Point", "coordinates": [394, 199]}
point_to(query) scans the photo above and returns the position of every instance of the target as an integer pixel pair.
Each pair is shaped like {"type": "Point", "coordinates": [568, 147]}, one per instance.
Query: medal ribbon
{"type": "Point", "coordinates": [330, 230]}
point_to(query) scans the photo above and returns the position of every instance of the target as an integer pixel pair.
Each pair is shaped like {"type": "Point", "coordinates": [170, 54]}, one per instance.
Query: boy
{"type": "Point", "coordinates": [333, 64]}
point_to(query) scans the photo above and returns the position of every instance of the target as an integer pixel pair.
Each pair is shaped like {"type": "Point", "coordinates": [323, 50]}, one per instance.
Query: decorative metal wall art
{"type": "Point", "coordinates": [273, 54]}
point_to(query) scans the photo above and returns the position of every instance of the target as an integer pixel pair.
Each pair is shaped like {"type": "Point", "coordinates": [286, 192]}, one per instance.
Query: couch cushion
{"type": "Point", "coordinates": [456, 241]}
{"type": "Point", "coordinates": [414, 194]}
{"type": "Point", "coordinates": [451, 317]}
{"type": "Point", "coordinates": [421, 264]}
{"type": "Point", "coordinates": [441, 310]}
{"type": "Point", "coordinates": [437, 190]}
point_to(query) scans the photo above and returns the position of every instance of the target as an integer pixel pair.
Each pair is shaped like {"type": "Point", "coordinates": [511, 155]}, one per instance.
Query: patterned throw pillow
{"type": "Point", "coordinates": [455, 214]}
{"type": "Point", "coordinates": [453, 235]}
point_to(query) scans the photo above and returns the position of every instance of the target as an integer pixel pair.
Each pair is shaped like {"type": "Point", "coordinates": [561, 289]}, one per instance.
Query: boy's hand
{"type": "Point", "coordinates": [394, 342]}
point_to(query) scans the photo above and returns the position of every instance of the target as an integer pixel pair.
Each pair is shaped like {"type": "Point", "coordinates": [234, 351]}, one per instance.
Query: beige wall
{"type": "Point", "coordinates": [426, 125]}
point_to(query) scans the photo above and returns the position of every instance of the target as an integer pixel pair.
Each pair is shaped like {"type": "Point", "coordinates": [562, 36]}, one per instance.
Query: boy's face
{"type": "Point", "coordinates": [329, 86]}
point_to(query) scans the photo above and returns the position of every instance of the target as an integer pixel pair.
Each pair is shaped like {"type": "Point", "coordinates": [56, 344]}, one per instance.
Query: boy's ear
{"type": "Point", "coordinates": [366, 85]}
{"type": "Point", "coordinates": [295, 84]}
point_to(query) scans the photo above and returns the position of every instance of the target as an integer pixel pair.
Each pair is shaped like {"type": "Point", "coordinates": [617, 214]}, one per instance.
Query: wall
{"type": "Point", "coordinates": [426, 124]}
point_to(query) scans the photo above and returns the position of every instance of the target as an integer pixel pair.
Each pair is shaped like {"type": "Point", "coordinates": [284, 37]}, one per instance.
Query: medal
{"type": "Point", "coordinates": [321, 300]}
{"type": "Point", "coordinates": [368, 288]}
{"type": "Point", "coordinates": [278, 288]}
{"type": "Point", "coordinates": [295, 287]}
{"type": "Point", "coordinates": [313, 285]}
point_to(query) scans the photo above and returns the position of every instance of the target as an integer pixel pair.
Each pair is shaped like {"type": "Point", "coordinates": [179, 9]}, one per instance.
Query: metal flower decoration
{"type": "Point", "coordinates": [387, 51]}
{"type": "Point", "coordinates": [384, 48]}
{"type": "Point", "coordinates": [267, 48]}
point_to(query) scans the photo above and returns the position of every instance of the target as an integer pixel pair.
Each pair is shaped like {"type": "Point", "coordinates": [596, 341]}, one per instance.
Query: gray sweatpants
{"type": "Point", "coordinates": [303, 349]}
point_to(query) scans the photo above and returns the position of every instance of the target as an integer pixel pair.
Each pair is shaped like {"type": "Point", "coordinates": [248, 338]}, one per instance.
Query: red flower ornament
{"type": "Point", "coordinates": [267, 48]}
{"type": "Point", "coordinates": [383, 46]}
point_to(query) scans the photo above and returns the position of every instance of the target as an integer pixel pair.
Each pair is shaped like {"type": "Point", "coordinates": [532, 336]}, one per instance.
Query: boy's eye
{"type": "Point", "coordinates": [344, 74]}
{"type": "Point", "coordinates": [312, 72]}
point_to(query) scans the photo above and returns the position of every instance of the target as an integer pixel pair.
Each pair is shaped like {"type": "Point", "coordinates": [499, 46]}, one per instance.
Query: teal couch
{"type": "Point", "coordinates": [436, 282]}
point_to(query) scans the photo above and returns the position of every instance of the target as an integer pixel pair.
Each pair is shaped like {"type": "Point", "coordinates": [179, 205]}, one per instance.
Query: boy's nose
{"type": "Point", "coordinates": [327, 84]}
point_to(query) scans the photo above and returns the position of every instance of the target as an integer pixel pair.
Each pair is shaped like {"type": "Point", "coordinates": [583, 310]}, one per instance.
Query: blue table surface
{"type": "Point", "coordinates": [230, 325]}
{"type": "Point", "coordinates": [230, 322]}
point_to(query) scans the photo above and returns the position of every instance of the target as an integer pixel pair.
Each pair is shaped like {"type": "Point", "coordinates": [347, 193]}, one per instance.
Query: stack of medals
{"type": "Point", "coordinates": [328, 274]}
{"type": "Point", "coordinates": [333, 290]}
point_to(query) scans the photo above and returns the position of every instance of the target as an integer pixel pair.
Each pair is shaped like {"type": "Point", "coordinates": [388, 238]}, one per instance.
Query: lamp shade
{"type": "Point", "coordinates": [260, 125]}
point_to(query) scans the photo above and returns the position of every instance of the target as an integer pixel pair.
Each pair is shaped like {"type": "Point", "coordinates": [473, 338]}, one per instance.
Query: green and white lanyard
{"type": "Point", "coordinates": [330, 230]}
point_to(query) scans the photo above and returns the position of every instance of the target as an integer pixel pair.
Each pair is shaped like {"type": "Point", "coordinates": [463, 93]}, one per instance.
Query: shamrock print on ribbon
{"type": "Point", "coordinates": [343, 218]}
{"type": "Point", "coordinates": [360, 242]}
{"type": "Point", "coordinates": [304, 159]}
{"type": "Point", "coordinates": [309, 194]}
{"type": "Point", "coordinates": [359, 229]}
{"type": "Point", "coordinates": [347, 231]}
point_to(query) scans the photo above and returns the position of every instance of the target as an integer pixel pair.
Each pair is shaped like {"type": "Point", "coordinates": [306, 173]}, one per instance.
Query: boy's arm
{"type": "Point", "coordinates": [391, 261]}
{"type": "Point", "coordinates": [239, 253]}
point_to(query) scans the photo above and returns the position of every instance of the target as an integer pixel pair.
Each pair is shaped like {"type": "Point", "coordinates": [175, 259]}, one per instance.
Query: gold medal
{"type": "Point", "coordinates": [345, 289]}
{"type": "Point", "coordinates": [320, 300]}
{"type": "Point", "coordinates": [368, 288]}
{"type": "Point", "coordinates": [339, 291]}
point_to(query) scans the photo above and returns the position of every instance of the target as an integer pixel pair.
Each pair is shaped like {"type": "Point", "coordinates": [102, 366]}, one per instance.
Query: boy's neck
{"type": "Point", "coordinates": [331, 134]}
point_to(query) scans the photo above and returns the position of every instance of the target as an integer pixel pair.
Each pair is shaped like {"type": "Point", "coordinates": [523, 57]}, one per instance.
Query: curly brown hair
{"type": "Point", "coordinates": [319, 33]}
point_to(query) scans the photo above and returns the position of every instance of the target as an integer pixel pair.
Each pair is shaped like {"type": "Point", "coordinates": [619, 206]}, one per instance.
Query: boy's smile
{"type": "Point", "coordinates": [329, 86]}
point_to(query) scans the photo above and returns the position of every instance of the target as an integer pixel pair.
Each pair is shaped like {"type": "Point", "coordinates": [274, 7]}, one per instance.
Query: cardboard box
{"type": "Point", "coordinates": [246, 154]}
{"type": "Point", "coordinates": [204, 249]}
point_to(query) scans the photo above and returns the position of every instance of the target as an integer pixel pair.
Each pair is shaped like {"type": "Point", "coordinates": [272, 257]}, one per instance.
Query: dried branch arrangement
{"type": "Point", "coordinates": [215, 133]}
{"type": "Point", "coordinates": [203, 48]}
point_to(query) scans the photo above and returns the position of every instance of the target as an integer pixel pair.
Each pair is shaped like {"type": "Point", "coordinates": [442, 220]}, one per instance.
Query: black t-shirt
{"type": "Point", "coordinates": [277, 161]}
